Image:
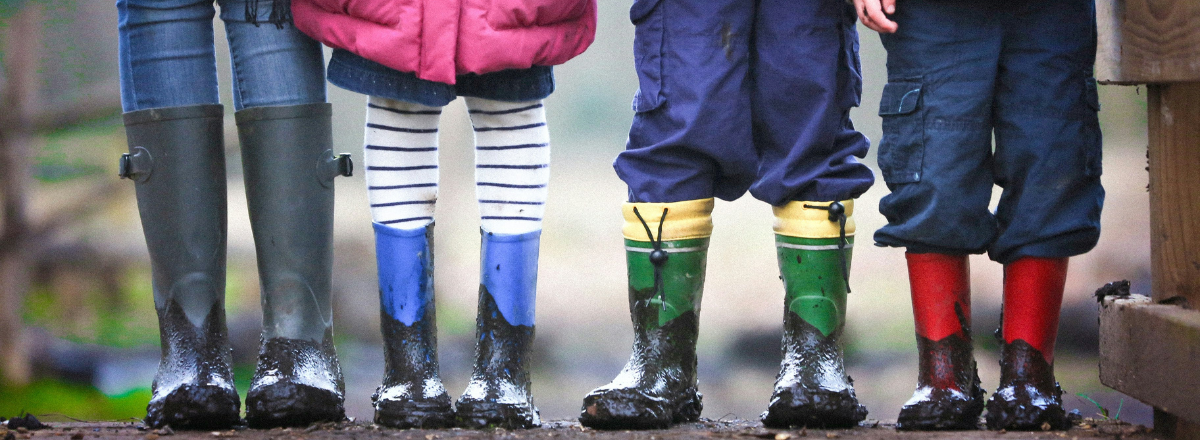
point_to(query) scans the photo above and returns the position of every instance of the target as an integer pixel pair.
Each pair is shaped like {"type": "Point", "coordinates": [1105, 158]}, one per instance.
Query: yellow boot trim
{"type": "Point", "coordinates": [686, 219]}
{"type": "Point", "coordinates": [794, 220]}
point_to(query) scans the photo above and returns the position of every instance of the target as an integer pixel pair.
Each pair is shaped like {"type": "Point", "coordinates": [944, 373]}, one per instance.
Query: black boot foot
{"type": "Point", "coordinates": [817, 409]}
{"type": "Point", "coordinates": [628, 408]}
{"type": "Point", "coordinates": [941, 410]}
{"type": "Point", "coordinates": [480, 414]}
{"type": "Point", "coordinates": [202, 407]}
{"type": "Point", "coordinates": [292, 404]}
{"type": "Point", "coordinates": [414, 415]}
{"type": "Point", "coordinates": [1029, 399]}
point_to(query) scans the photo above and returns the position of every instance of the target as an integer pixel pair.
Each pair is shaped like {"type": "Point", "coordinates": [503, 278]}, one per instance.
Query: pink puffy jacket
{"type": "Point", "coordinates": [439, 39]}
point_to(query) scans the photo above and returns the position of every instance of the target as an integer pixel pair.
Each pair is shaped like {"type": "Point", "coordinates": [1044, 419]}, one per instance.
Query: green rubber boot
{"type": "Point", "coordinates": [657, 387]}
{"type": "Point", "coordinates": [289, 170]}
{"type": "Point", "coordinates": [814, 242]}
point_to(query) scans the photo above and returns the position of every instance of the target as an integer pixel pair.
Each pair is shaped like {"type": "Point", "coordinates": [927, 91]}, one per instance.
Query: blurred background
{"type": "Point", "coordinates": [78, 333]}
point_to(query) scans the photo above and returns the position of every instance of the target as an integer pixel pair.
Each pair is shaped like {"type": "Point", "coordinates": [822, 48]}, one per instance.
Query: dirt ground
{"type": "Point", "coordinates": [706, 428]}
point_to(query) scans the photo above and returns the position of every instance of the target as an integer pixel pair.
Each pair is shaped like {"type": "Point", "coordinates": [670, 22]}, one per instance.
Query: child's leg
{"type": "Point", "coordinates": [512, 160]}
{"type": "Point", "coordinates": [1048, 161]}
{"type": "Point", "coordinates": [948, 394]}
{"type": "Point", "coordinates": [401, 142]}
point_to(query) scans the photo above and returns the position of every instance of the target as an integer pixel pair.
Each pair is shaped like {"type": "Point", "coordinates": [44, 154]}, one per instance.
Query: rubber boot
{"type": "Point", "coordinates": [289, 170]}
{"type": "Point", "coordinates": [1029, 398]}
{"type": "Point", "coordinates": [177, 160]}
{"type": "Point", "coordinates": [814, 241]}
{"type": "Point", "coordinates": [412, 394]}
{"type": "Point", "coordinates": [499, 394]}
{"type": "Point", "coordinates": [657, 387]}
{"type": "Point", "coordinates": [948, 394]}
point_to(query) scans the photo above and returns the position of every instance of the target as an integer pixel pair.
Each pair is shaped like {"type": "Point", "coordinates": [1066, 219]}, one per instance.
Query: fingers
{"type": "Point", "coordinates": [871, 12]}
{"type": "Point", "coordinates": [889, 6]}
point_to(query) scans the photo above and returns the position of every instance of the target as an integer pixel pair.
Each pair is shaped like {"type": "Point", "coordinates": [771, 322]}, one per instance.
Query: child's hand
{"type": "Point", "coordinates": [871, 13]}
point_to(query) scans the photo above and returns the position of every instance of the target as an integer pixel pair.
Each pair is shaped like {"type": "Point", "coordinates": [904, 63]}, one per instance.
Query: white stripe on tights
{"type": "Point", "coordinates": [400, 154]}
{"type": "Point", "coordinates": [512, 164]}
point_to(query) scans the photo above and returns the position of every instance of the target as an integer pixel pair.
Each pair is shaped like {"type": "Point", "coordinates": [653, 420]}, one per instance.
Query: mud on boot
{"type": "Point", "coordinates": [938, 403]}
{"type": "Point", "coordinates": [412, 394]}
{"type": "Point", "coordinates": [183, 149]}
{"type": "Point", "coordinates": [814, 243]}
{"type": "Point", "coordinates": [812, 388]}
{"type": "Point", "coordinates": [297, 383]}
{"type": "Point", "coordinates": [657, 387]}
{"type": "Point", "coordinates": [1028, 396]}
{"type": "Point", "coordinates": [194, 385]}
{"type": "Point", "coordinates": [498, 395]}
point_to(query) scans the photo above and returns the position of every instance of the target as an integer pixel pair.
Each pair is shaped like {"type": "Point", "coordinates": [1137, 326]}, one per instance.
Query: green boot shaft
{"type": "Point", "coordinates": [814, 284]}
{"type": "Point", "coordinates": [682, 280]}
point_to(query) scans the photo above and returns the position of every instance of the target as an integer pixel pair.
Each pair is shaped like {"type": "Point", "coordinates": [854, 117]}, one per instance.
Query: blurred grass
{"type": "Point", "coordinates": [51, 400]}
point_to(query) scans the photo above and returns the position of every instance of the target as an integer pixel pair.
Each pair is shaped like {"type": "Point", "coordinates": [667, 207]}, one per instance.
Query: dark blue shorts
{"type": "Point", "coordinates": [960, 72]}
{"type": "Point", "coordinates": [745, 94]}
{"type": "Point", "coordinates": [358, 74]}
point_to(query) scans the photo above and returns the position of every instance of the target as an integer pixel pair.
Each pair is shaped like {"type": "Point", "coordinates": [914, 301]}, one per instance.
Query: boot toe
{"type": "Point", "coordinates": [415, 414]}
{"type": "Point", "coordinates": [633, 409]}
{"type": "Point", "coordinates": [292, 404]}
{"type": "Point", "coordinates": [1011, 412]}
{"type": "Point", "coordinates": [195, 407]}
{"type": "Point", "coordinates": [948, 413]}
{"type": "Point", "coordinates": [480, 414]}
{"type": "Point", "coordinates": [818, 409]}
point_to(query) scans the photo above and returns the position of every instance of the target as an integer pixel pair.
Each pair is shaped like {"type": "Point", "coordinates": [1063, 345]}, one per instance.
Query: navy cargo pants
{"type": "Point", "coordinates": [961, 71]}
{"type": "Point", "coordinates": [745, 94]}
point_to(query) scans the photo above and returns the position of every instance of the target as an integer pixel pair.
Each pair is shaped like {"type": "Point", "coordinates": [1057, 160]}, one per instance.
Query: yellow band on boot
{"type": "Point", "coordinates": [795, 220]}
{"type": "Point", "coordinates": [686, 219]}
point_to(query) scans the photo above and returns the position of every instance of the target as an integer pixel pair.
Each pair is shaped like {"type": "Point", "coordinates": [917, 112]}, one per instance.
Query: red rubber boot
{"type": "Point", "coordinates": [1028, 397]}
{"type": "Point", "coordinates": [948, 394]}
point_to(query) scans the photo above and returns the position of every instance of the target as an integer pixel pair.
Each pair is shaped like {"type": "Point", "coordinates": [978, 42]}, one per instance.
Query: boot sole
{"type": "Point", "coordinates": [291, 404]}
{"type": "Point", "coordinates": [195, 407]}
{"type": "Point", "coordinates": [631, 409]}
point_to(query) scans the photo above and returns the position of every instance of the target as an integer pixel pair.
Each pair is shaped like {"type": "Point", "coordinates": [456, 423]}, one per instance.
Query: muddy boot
{"type": "Point", "coordinates": [412, 395]}
{"type": "Point", "coordinates": [813, 241]}
{"type": "Point", "coordinates": [1029, 398]}
{"type": "Point", "coordinates": [948, 394]}
{"type": "Point", "coordinates": [498, 395]}
{"type": "Point", "coordinates": [657, 387]}
{"type": "Point", "coordinates": [177, 160]}
{"type": "Point", "coordinates": [289, 170]}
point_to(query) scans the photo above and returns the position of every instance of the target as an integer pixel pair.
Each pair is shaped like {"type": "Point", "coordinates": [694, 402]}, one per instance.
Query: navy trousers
{"type": "Point", "coordinates": [745, 94]}
{"type": "Point", "coordinates": [961, 71]}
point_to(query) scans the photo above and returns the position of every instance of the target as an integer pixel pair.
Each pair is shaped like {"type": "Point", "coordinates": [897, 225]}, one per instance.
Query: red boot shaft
{"type": "Point", "coordinates": [939, 284]}
{"type": "Point", "coordinates": [1033, 291]}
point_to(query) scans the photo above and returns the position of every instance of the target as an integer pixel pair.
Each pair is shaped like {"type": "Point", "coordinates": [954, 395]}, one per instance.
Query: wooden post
{"type": "Point", "coordinates": [21, 46]}
{"type": "Point", "coordinates": [1174, 136]}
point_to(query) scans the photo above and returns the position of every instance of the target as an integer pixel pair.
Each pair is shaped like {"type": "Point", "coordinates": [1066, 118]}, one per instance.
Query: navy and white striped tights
{"type": "Point", "coordinates": [512, 163]}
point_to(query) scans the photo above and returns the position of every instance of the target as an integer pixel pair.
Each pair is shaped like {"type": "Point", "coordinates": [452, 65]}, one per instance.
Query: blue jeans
{"type": "Point", "coordinates": [961, 71]}
{"type": "Point", "coordinates": [168, 59]}
{"type": "Point", "coordinates": [738, 95]}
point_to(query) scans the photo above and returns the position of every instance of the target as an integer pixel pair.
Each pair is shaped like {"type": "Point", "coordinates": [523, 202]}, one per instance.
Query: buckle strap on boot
{"type": "Point", "coordinates": [330, 166]}
{"type": "Point", "coordinates": [136, 166]}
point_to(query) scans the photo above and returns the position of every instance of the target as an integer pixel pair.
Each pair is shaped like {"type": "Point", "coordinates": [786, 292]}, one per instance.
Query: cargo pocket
{"type": "Point", "coordinates": [646, 16]}
{"type": "Point", "coordinates": [902, 149]}
{"type": "Point", "coordinates": [1094, 152]}
{"type": "Point", "coordinates": [850, 66]}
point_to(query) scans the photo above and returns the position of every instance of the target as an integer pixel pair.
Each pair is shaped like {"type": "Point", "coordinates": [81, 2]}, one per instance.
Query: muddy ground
{"type": "Point", "coordinates": [706, 428]}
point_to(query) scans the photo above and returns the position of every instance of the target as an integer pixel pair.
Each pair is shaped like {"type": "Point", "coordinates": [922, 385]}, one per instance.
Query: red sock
{"type": "Point", "coordinates": [1033, 291]}
{"type": "Point", "coordinates": [938, 282]}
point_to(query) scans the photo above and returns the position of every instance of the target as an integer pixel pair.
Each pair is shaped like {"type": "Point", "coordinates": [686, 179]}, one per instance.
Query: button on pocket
{"type": "Point", "coordinates": [902, 149]}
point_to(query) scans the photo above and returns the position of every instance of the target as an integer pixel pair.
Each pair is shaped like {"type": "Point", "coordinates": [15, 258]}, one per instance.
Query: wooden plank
{"type": "Point", "coordinates": [1148, 41]}
{"type": "Point", "coordinates": [1108, 41]}
{"type": "Point", "coordinates": [1174, 135]}
{"type": "Point", "coordinates": [1151, 352]}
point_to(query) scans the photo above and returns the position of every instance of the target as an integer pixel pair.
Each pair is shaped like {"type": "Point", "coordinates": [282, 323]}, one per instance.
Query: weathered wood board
{"type": "Point", "coordinates": [1148, 41]}
{"type": "Point", "coordinates": [1151, 352]}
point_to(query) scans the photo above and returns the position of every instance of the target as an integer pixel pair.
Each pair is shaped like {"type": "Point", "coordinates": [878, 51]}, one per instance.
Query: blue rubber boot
{"type": "Point", "coordinates": [499, 393]}
{"type": "Point", "coordinates": [412, 395]}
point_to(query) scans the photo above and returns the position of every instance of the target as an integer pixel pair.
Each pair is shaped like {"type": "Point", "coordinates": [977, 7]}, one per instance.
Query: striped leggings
{"type": "Point", "coordinates": [512, 163]}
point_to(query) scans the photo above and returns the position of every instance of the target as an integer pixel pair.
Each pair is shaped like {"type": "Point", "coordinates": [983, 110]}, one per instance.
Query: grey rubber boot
{"type": "Point", "coordinates": [177, 160]}
{"type": "Point", "coordinates": [289, 170]}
